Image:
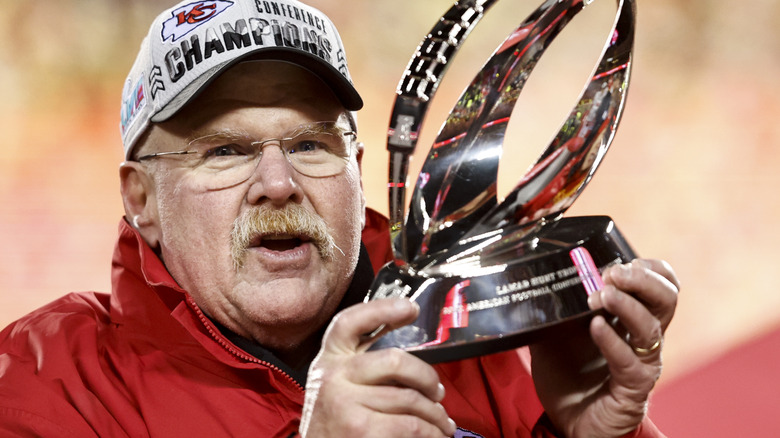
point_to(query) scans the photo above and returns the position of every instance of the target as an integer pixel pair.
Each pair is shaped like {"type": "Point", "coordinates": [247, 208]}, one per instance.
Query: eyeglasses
{"type": "Point", "coordinates": [225, 159]}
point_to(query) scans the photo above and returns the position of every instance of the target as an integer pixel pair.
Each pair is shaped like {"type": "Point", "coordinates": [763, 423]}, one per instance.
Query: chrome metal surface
{"type": "Point", "coordinates": [489, 274]}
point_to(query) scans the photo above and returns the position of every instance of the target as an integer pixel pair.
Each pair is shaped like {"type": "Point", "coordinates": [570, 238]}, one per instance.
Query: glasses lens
{"type": "Point", "coordinates": [222, 160]}
{"type": "Point", "coordinates": [319, 150]}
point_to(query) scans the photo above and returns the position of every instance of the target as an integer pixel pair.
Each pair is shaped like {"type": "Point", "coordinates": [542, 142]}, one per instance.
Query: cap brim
{"type": "Point", "coordinates": [341, 87]}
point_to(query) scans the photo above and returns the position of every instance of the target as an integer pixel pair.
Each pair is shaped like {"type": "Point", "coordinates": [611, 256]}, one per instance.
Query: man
{"type": "Point", "coordinates": [242, 240]}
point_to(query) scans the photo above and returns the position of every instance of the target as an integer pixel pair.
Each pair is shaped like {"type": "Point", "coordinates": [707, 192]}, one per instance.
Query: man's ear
{"type": "Point", "coordinates": [359, 156]}
{"type": "Point", "coordinates": [139, 199]}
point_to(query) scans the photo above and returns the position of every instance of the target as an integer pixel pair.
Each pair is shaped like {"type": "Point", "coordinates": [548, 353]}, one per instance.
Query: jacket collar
{"type": "Point", "coordinates": [147, 301]}
{"type": "Point", "coordinates": [142, 288]}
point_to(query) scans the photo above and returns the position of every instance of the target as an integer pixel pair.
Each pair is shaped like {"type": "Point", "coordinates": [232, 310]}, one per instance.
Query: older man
{"type": "Point", "coordinates": [242, 240]}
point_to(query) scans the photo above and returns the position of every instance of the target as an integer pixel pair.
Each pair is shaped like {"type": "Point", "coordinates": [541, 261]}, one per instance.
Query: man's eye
{"type": "Point", "coordinates": [309, 146]}
{"type": "Point", "coordinates": [224, 151]}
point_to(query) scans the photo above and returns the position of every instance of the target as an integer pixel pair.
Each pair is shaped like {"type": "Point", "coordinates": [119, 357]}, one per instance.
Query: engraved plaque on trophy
{"type": "Point", "coordinates": [491, 275]}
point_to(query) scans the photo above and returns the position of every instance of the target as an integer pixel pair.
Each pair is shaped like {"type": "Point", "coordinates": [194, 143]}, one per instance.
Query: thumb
{"type": "Point", "coordinates": [347, 331]}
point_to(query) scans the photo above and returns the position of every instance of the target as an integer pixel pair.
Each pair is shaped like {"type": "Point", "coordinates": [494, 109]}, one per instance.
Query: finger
{"type": "Point", "coordinates": [395, 367]}
{"type": "Point", "coordinates": [627, 371]}
{"type": "Point", "coordinates": [594, 301]}
{"type": "Point", "coordinates": [408, 425]}
{"type": "Point", "coordinates": [666, 297]}
{"type": "Point", "coordinates": [344, 334]}
{"type": "Point", "coordinates": [408, 402]}
{"type": "Point", "coordinates": [661, 267]}
{"type": "Point", "coordinates": [644, 329]}
{"type": "Point", "coordinates": [653, 289]}
{"type": "Point", "coordinates": [658, 266]}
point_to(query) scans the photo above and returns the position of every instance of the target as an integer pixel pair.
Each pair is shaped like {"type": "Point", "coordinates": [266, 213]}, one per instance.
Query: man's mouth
{"type": "Point", "coordinates": [279, 242]}
{"type": "Point", "coordinates": [280, 233]}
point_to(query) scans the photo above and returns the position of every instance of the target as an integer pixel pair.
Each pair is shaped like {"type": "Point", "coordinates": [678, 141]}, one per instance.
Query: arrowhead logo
{"type": "Point", "coordinates": [187, 18]}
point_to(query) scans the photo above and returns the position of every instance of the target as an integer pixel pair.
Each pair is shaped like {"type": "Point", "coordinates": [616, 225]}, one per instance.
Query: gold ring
{"type": "Point", "coordinates": [647, 351]}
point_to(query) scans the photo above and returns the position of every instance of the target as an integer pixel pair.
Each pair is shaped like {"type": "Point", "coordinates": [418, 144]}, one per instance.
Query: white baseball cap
{"type": "Point", "coordinates": [190, 44]}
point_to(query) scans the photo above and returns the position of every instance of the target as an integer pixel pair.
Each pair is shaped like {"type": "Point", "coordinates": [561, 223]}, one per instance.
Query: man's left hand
{"type": "Point", "coordinates": [596, 382]}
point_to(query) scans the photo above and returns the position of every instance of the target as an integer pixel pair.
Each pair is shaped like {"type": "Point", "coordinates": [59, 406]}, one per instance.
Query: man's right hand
{"type": "Point", "coordinates": [351, 392]}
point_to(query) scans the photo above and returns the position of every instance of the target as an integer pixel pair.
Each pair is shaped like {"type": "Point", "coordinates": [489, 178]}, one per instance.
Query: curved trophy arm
{"type": "Point", "coordinates": [415, 90]}
{"type": "Point", "coordinates": [569, 162]}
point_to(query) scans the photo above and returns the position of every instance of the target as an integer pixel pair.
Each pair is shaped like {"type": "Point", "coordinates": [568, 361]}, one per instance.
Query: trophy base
{"type": "Point", "coordinates": [467, 349]}
{"type": "Point", "coordinates": [514, 292]}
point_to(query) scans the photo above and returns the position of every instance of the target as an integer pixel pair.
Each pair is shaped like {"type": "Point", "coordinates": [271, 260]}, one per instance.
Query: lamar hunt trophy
{"type": "Point", "coordinates": [491, 276]}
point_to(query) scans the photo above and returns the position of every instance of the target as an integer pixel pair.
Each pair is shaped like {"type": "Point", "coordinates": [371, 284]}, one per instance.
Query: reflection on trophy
{"type": "Point", "coordinates": [492, 275]}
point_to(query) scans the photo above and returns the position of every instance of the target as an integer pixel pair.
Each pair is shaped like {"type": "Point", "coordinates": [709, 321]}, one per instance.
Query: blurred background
{"type": "Point", "coordinates": [691, 177]}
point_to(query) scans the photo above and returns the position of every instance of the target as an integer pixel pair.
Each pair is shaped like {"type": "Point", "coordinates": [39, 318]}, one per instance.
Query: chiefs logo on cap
{"type": "Point", "coordinates": [188, 17]}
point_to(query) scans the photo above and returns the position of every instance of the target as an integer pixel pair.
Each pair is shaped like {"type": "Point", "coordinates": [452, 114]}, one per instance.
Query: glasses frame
{"type": "Point", "coordinates": [261, 144]}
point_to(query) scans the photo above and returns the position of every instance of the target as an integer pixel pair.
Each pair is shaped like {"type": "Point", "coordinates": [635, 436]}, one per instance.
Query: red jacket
{"type": "Point", "coordinates": [145, 361]}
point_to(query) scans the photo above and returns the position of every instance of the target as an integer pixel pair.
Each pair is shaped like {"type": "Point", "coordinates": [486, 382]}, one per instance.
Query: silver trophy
{"type": "Point", "coordinates": [491, 275]}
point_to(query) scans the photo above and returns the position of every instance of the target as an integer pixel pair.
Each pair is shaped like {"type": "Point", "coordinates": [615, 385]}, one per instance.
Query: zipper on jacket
{"type": "Point", "coordinates": [220, 338]}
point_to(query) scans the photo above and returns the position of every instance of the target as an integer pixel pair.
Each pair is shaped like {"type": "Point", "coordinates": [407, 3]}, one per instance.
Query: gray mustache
{"type": "Point", "coordinates": [292, 219]}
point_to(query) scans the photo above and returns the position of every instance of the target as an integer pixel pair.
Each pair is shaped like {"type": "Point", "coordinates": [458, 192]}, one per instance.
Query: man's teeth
{"type": "Point", "coordinates": [279, 237]}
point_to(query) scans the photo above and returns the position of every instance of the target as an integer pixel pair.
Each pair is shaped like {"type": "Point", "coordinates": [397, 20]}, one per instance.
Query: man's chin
{"type": "Point", "coordinates": [292, 317]}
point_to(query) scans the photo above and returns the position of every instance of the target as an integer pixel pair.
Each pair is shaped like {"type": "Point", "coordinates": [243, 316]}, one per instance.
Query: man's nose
{"type": "Point", "coordinates": [274, 179]}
